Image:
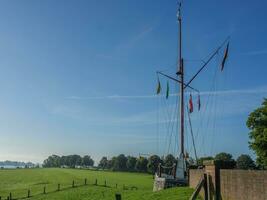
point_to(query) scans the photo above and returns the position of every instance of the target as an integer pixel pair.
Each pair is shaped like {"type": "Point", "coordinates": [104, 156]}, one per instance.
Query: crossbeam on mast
{"type": "Point", "coordinates": [176, 80]}
{"type": "Point", "coordinates": [206, 62]}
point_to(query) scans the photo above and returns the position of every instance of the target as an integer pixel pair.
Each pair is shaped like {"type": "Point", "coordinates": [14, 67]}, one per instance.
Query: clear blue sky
{"type": "Point", "coordinates": [79, 76]}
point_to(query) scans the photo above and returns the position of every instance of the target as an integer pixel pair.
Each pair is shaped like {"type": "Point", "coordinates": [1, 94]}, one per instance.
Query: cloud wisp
{"type": "Point", "coordinates": [255, 53]}
{"type": "Point", "coordinates": [261, 90]}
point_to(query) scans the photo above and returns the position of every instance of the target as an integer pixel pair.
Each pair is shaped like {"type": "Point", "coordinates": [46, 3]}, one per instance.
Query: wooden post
{"type": "Point", "coordinates": [160, 169]}
{"type": "Point", "coordinates": [58, 187]}
{"type": "Point", "coordinates": [95, 181]}
{"type": "Point", "coordinates": [105, 183]}
{"type": "Point", "coordinates": [116, 187]}
{"type": "Point", "coordinates": [85, 181]}
{"type": "Point", "coordinates": [73, 183]}
{"type": "Point", "coordinates": [29, 193]}
{"type": "Point", "coordinates": [10, 196]}
{"type": "Point", "coordinates": [206, 186]}
{"type": "Point", "coordinates": [118, 196]}
{"type": "Point", "coordinates": [44, 190]}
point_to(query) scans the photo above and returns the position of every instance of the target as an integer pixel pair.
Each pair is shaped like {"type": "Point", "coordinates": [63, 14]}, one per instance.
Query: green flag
{"type": "Point", "coordinates": [167, 91]}
{"type": "Point", "coordinates": [159, 87]}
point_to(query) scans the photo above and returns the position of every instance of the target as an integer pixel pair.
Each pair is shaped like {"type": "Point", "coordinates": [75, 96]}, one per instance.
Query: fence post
{"type": "Point", "coordinates": [96, 181]}
{"type": "Point", "coordinates": [85, 181]}
{"type": "Point", "coordinates": [116, 187]}
{"type": "Point", "coordinates": [29, 193]}
{"type": "Point", "coordinates": [44, 190]}
{"type": "Point", "coordinates": [58, 187]}
{"type": "Point", "coordinates": [73, 183]}
{"type": "Point", "coordinates": [105, 183]}
{"type": "Point", "coordinates": [10, 196]}
{"type": "Point", "coordinates": [118, 196]}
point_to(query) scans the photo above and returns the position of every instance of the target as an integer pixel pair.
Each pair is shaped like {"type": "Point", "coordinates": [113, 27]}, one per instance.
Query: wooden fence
{"type": "Point", "coordinates": [59, 187]}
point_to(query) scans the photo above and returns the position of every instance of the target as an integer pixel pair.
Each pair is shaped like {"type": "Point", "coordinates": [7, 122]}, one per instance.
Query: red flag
{"type": "Point", "coordinates": [225, 56]}
{"type": "Point", "coordinates": [191, 104]}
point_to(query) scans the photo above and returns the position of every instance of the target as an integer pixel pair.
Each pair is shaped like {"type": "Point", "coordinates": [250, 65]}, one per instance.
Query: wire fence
{"type": "Point", "coordinates": [61, 187]}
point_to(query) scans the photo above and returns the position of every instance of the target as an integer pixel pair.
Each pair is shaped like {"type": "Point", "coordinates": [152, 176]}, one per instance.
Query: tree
{"type": "Point", "coordinates": [257, 124]}
{"type": "Point", "coordinates": [200, 160]}
{"type": "Point", "coordinates": [141, 164]}
{"type": "Point", "coordinates": [120, 163]}
{"type": "Point", "coordinates": [130, 164]}
{"type": "Point", "coordinates": [245, 162]}
{"type": "Point", "coordinates": [169, 160]}
{"type": "Point", "coordinates": [87, 161]}
{"type": "Point", "coordinates": [103, 163]}
{"type": "Point", "coordinates": [52, 161]}
{"type": "Point", "coordinates": [223, 156]}
{"type": "Point", "coordinates": [153, 163]}
{"type": "Point", "coordinates": [226, 160]}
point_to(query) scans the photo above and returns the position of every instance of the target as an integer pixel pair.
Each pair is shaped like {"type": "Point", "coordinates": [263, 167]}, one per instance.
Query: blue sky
{"type": "Point", "coordinates": [79, 76]}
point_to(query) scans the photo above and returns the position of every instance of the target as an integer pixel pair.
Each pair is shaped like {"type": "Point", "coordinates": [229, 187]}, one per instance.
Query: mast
{"type": "Point", "coordinates": [181, 74]}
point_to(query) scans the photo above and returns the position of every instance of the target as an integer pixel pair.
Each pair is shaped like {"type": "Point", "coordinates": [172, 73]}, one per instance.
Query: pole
{"type": "Point", "coordinates": [181, 73]}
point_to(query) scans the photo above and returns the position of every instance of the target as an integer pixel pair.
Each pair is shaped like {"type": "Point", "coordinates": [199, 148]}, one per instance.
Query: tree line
{"type": "Point", "coordinates": [71, 161]}
{"type": "Point", "coordinates": [136, 164]}
{"type": "Point", "coordinates": [143, 164]}
{"type": "Point", "coordinates": [150, 164]}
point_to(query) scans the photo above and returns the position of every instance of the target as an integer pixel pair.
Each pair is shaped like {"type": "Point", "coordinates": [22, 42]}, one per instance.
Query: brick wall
{"type": "Point", "coordinates": [233, 184]}
{"type": "Point", "coordinates": [194, 177]}
{"type": "Point", "coordinates": [243, 184]}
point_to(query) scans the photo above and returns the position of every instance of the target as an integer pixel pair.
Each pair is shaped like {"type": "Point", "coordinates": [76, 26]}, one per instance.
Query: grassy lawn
{"type": "Point", "coordinates": [18, 182]}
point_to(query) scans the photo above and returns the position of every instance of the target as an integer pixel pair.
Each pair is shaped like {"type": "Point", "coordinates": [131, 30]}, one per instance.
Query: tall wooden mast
{"type": "Point", "coordinates": [181, 74]}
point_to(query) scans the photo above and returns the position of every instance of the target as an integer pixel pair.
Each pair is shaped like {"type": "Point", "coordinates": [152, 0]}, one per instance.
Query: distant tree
{"type": "Point", "coordinates": [75, 160]}
{"type": "Point", "coordinates": [223, 156]}
{"type": "Point", "coordinates": [169, 160]}
{"type": "Point", "coordinates": [245, 162]}
{"type": "Point", "coordinates": [153, 163]}
{"type": "Point", "coordinates": [226, 160]}
{"type": "Point", "coordinates": [201, 159]}
{"type": "Point", "coordinates": [52, 161]}
{"type": "Point", "coordinates": [63, 160]}
{"type": "Point", "coordinates": [141, 164]}
{"type": "Point", "coordinates": [110, 163]}
{"type": "Point", "coordinates": [130, 164]}
{"type": "Point", "coordinates": [87, 161]}
{"type": "Point", "coordinates": [120, 163]}
{"type": "Point", "coordinates": [257, 124]}
{"type": "Point", "coordinates": [103, 163]}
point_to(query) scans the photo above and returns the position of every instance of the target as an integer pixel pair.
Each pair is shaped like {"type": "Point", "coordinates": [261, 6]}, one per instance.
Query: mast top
{"type": "Point", "coordinates": [179, 11]}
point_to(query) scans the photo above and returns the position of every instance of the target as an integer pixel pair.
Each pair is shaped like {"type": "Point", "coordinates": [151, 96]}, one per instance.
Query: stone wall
{"type": "Point", "coordinates": [194, 176]}
{"type": "Point", "coordinates": [226, 184]}
{"type": "Point", "coordinates": [243, 184]}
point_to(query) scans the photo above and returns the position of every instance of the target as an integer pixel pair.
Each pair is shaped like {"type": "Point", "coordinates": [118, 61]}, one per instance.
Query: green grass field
{"type": "Point", "coordinates": [18, 181]}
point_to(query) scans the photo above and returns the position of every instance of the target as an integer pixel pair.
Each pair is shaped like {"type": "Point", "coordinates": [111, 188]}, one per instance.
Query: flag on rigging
{"type": "Point", "coordinates": [167, 91]}
{"type": "Point", "coordinates": [225, 56]}
{"type": "Point", "coordinates": [191, 108]}
{"type": "Point", "coordinates": [159, 87]}
{"type": "Point", "coordinates": [198, 102]}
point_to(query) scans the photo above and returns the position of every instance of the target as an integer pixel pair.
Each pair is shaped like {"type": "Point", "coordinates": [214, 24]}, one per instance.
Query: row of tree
{"type": "Point", "coordinates": [150, 165]}
{"type": "Point", "coordinates": [136, 164]}
{"type": "Point", "coordinates": [71, 161]}
{"type": "Point", "coordinates": [142, 164]}
{"type": "Point", "coordinates": [242, 162]}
